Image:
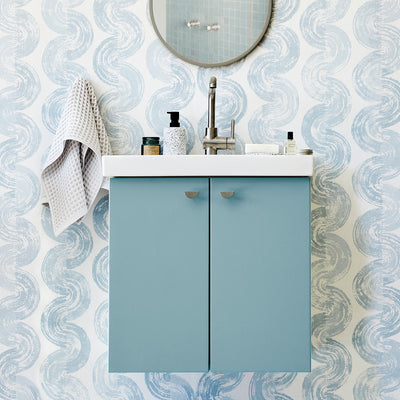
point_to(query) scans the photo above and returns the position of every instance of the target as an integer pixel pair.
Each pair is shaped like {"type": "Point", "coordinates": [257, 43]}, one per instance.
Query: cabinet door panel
{"type": "Point", "coordinates": [158, 275]}
{"type": "Point", "coordinates": [260, 274]}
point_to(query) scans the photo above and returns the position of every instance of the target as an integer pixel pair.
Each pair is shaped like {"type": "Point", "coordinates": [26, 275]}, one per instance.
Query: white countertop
{"type": "Point", "coordinates": [210, 165]}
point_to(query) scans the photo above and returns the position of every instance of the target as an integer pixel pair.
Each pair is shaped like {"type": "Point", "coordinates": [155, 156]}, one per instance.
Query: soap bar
{"type": "Point", "coordinates": [251, 148]}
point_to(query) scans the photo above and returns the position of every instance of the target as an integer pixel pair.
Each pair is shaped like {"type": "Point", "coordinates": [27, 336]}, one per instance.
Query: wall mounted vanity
{"type": "Point", "coordinates": [209, 263]}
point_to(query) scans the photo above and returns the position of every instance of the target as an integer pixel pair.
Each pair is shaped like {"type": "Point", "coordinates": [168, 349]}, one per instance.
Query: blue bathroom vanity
{"type": "Point", "coordinates": [209, 265]}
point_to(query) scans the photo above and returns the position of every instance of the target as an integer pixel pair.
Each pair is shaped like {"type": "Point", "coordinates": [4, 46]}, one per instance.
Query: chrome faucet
{"type": "Point", "coordinates": [211, 141]}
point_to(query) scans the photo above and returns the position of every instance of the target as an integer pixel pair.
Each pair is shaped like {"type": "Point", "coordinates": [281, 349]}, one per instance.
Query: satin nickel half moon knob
{"type": "Point", "coordinates": [191, 195]}
{"type": "Point", "coordinates": [227, 195]}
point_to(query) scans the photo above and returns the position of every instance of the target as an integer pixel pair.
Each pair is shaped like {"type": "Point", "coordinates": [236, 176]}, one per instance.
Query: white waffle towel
{"type": "Point", "coordinates": [72, 174]}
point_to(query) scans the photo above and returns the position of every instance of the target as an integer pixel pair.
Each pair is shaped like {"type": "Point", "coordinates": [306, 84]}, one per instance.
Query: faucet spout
{"type": "Point", "coordinates": [211, 141]}
{"type": "Point", "coordinates": [211, 108]}
{"type": "Point", "coordinates": [211, 130]}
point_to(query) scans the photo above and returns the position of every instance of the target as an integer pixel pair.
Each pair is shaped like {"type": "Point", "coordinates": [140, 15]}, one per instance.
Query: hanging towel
{"type": "Point", "coordinates": [72, 174]}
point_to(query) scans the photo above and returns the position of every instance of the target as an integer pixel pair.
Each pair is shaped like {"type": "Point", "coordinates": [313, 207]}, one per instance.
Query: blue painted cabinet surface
{"type": "Point", "coordinates": [158, 317]}
{"type": "Point", "coordinates": [260, 275]}
{"type": "Point", "coordinates": [209, 282]}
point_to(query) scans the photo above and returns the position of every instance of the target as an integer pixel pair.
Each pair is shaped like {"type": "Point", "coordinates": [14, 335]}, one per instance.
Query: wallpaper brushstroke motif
{"type": "Point", "coordinates": [73, 297]}
{"type": "Point", "coordinates": [19, 193]}
{"type": "Point", "coordinates": [329, 71]}
{"type": "Point", "coordinates": [375, 231]}
{"type": "Point", "coordinates": [279, 96]}
{"type": "Point", "coordinates": [169, 386]}
{"type": "Point", "coordinates": [214, 386]}
{"type": "Point", "coordinates": [125, 38]}
{"type": "Point", "coordinates": [270, 386]}
{"type": "Point", "coordinates": [75, 35]}
{"type": "Point", "coordinates": [332, 255]}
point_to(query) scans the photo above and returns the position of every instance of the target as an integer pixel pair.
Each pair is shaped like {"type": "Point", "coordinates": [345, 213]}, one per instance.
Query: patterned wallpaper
{"type": "Point", "coordinates": [328, 70]}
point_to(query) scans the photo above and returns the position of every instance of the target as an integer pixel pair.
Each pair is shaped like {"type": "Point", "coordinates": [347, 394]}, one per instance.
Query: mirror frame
{"type": "Point", "coordinates": [264, 30]}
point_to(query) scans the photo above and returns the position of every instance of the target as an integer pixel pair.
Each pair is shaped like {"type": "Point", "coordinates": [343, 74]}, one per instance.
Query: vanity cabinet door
{"type": "Point", "coordinates": [260, 274]}
{"type": "Point", "coordinates": [159, 279]}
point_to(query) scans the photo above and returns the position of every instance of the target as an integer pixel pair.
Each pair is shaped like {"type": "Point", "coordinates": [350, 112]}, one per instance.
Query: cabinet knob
{"type": "Point", "coordinates": [227, 195]}
{"type": "Point", "coordinates": [191, 195]}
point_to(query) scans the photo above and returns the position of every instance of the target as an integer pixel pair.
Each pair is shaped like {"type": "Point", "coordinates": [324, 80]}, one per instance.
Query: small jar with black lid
{"type": "Point", "coordinates": [151, 146]}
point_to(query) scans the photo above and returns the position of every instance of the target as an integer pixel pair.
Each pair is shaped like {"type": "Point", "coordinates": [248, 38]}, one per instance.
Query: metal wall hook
{"type": "Point", "coordinates": [194, 23]}
{"type": "Point", "coordinates": [213, 27]}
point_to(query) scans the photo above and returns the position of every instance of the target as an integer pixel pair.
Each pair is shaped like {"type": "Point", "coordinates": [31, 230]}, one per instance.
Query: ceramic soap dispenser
{"type": "Point", "coordinates": [175, 138]}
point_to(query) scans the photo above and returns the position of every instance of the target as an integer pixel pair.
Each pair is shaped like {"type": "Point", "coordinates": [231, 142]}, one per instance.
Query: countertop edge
{"type": "Point", "coordinates": [207, 166]}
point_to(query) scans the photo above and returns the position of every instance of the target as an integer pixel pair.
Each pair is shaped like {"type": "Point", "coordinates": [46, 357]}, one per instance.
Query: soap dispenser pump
{"type": "Point", "coordinates": [175, 139]}
{"type": "Point", "coordinates": [174, 115]}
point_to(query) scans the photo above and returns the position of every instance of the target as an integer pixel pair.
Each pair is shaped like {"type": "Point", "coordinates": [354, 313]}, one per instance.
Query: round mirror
{"type": "Point", "coordinates": [210, 33]}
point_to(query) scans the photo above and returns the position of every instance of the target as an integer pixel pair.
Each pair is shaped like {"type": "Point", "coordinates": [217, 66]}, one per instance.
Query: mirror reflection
{"type": "Point", "coordinates": [210, 32]}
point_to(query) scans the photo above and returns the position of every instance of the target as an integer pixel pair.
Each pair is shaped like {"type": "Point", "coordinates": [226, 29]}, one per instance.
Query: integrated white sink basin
{"type": "Point", "coordinates": [202, 165]}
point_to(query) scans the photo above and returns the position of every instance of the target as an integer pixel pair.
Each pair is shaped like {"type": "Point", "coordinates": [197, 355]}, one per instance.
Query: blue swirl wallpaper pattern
{"type": "Point", "coordinates": [329, 71]}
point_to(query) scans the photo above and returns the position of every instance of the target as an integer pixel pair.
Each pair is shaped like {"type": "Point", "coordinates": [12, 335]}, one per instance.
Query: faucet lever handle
{"type": "Point", "coordinates": [232, 128]}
